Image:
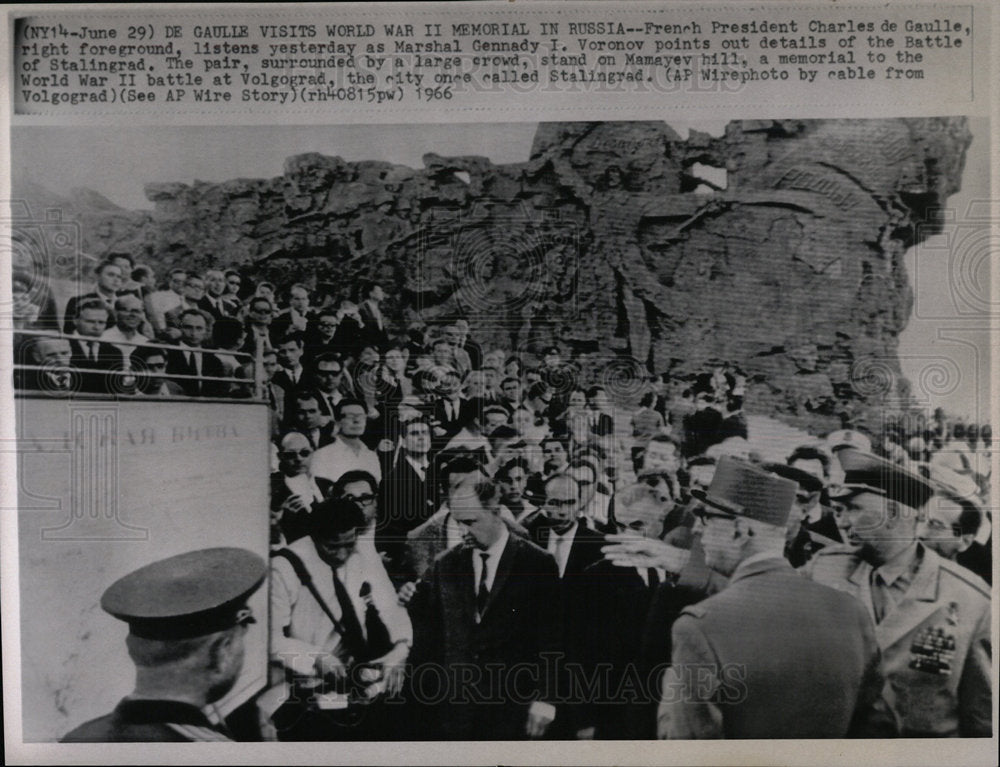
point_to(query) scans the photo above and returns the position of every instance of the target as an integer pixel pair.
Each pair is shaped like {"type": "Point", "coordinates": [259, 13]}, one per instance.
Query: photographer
{"type": "Point", "coordinates": [337, 631]}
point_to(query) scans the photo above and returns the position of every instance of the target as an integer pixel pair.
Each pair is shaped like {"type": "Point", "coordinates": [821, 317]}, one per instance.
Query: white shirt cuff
{"type": "Point", "coordinates": [544, 710]}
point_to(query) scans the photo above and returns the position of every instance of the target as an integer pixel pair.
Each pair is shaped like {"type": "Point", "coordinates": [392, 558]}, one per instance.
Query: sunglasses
{"type": "Point", "coordinates": [303, 453]}
{"type": "Point", "coordinates": [654, 479]}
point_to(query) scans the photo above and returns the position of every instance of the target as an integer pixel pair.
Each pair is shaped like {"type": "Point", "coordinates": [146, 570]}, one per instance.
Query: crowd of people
{"type": "Point", "coordinates": [471, 543]}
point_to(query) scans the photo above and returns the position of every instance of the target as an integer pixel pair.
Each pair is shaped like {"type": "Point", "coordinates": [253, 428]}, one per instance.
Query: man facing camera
{"type": "Point", "coordinates": [487, 614]}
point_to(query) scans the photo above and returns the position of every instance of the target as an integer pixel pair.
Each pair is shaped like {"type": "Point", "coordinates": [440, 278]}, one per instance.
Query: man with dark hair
{"type": "Point", "coordinates": [953, 519]}
{"type": "Point", "coordinates": [512, 479]}
{"type": "Point", "coordinates": [556, 455]}
{"type": "Point", "coordinates": [320, 336]}
{"type": "Point", "coordinates": [187, 618]}
{"type": "Point", "coordinates": [347, 451]}
{"type": "Point", "coordinates": [328, 374]}
{"type": "Point", "coordinates": [150, 366]}
{"type": "Point", "coordinates": [109, 281]}
{"type": "Point", "coordinates": [490, 605]}
{"type": "Point", "coordinates": [539, 399]}
{"type": "Point", "coordinates": [407, 492]}
{"type": "Point", "coordinates": [333, 609]}
{"type": "Point", "coordinates": [303, 407]}
{"type": "Point", "coordinates": [375, 327]}
{"type": "Point", "coordinates": [259, 316]}
{"type": "Point", "coordinates": [192, 361]}
{"type": "Point", "coordinates": [292, 373]}
{"type": "Point", "coordinates": [819, 517]}
{"type": "Point", "coordinates": [98, 360]}
{"type": "Point", "coordinates": [194, 292]}
{"type": "Point", "coordinates": [513, 396]}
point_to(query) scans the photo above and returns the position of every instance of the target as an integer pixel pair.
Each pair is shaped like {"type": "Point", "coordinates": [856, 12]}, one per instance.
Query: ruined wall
{"type": "Point", "coordinates": [607, 240]}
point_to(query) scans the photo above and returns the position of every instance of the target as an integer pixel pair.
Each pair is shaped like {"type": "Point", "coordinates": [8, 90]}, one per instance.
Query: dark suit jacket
{"type": "Point", "coordinates": [293, 527]}
{"type": "Point", "coordinates": [69, 316]}
{"type": "Point", "coordinates": [373, 335]}
{"type": "Point", "coordinates": [210, 366]}
{"type": "Point", "coordinates": [428, 541]}
{"type": "Point", "coordinates": [206, 305]}
{"type": "Point", "coordinates": [792, 659]}
{"type": "Point", "coordinates": [520, 623]}
{"type": "Point", "coordinates": [97, 380]}
{"type": "Point", "coordinates": [607, 614]}
{"type": "Point", "coordinates": [405, 502]}
{"type": "Point", "coordinates": [586, 548]}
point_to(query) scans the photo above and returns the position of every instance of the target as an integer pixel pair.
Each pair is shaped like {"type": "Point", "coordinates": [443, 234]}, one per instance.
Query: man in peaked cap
{"type": "Point", "coordinates": [932, 616]}
{"type": "Point", "coordinates": [187, 616]}
{"type": "Point", "coordinates": [772, 655]}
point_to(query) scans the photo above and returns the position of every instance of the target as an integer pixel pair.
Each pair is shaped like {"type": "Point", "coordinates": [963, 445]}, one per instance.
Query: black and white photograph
{"type": "Point", "coordinates": [414, 434]}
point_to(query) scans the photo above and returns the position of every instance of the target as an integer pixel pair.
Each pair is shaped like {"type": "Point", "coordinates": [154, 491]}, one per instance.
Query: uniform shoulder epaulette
{"type": "Point", "coordinates": [967, 576]}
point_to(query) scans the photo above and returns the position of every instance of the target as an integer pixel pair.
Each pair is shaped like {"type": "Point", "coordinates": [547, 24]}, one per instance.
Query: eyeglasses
{"type": "Point", "coordinates": [156, 365]}
{"type": "Point", "coordinates": [560, 502]}
{"type": "Point", "coordinates": [803, 497]}
{"type": "Point", "coordinates": [364, 500]}
{"type": "Point", "coordinates": [329, 372]}
{"type": "Point", "coordinates": [303, 453]}
{"type": "Point", "coordinates": [654, 479]}
{"type": "Point", "coordinates": [328, 324]}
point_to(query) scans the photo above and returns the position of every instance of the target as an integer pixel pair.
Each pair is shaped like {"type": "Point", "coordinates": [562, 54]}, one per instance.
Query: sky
{"type": "Point", "coordinates": [944, 350]}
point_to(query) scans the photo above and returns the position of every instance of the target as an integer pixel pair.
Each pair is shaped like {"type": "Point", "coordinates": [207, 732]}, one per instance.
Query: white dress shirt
{"type": "Point", "coordinates": [310, 632]}
{"type": "Point", "coordinates": [336, 459]}
{"type": "Point", "coordinates": [559, 546]}
{"type": "Point", "coordinates": [305, 487]}
{"type": "Point", "coordinates": [495, 551]}
{"type": "Point", "coordinates": [126, 344]}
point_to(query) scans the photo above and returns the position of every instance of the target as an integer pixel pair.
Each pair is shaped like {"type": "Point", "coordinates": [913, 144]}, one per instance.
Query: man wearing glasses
{"type": "Point", "coordinates": [320, 335]}
{"type": "Point", "coordinates": [259, 315]}
{"type": "Point", "coordinates": [152, 362]}
{"type": "Point", "coordinates": [932, 616]}
{"type": "Point", "coordinates": [294, 490]}
{"type": "Point", "coordinates": [328, 373]}
{"type": "Point", "coordinates": [772, 655]}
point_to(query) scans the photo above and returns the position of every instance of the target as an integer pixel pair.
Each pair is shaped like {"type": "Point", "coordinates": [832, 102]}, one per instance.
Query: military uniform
{"type": "Point", "coordinates": [935, 642]}
{"type": "Point", "coordinates": [149, 721]}
{"type": "Point", "coordinates": [174, 600]}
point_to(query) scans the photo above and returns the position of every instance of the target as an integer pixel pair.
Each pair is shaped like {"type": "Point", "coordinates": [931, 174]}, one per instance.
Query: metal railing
{"type": "Point", "coordinates": [131, 369]}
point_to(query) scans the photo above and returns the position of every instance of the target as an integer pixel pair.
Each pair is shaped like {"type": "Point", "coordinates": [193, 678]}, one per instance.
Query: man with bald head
{"type": "Point", "coordinates": [294, 490]}
{"type": "Point", "coordinates": [125, 335]}
{"type": "Point", "coordinates": [58, 376]}
{"type": "Point", "coordinates": [607, 613]}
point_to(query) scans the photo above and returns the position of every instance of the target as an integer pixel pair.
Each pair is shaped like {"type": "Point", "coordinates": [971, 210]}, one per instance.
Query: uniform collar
{"type": "Point", "coordinates": [149, 710]}
{"type": "Point", "coordinates": [762, 562]}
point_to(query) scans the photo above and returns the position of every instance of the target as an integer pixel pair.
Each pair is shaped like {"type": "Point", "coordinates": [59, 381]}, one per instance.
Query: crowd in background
{"type": "Point", "coordinates": [405, 422]}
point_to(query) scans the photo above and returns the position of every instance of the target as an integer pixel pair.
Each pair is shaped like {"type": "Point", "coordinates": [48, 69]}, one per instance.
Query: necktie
{"type": "Point", "coordinates": [654, 577]}
{"type": "Point", "coordinates": [558, 545]}
{"type": "Point", "coordinates": [92, 346]}
{"type": "Point", "coordinates": [272, 403]}
{"type": "Point", "coordinates": [878, 596]}
{"type": "Point", "coordinates": [353, 637]}
{"type": "Point", "coordinates": [483, 594]}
